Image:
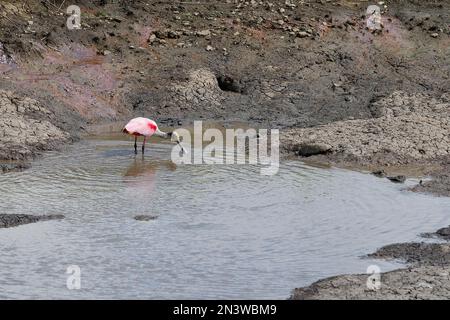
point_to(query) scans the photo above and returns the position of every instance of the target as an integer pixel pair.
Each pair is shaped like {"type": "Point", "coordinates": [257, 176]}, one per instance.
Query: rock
{"type": "Point", "coordinates": [397, 179]}
{"type": "Point", "coordinates": [13, 220]}
{"type": "Point", "coordinates": [444, 232]}
{"type": "Point", "coordinates": [310, 149]}
{"type": "Point", "coordinates": [209, 48]}
{"type": "Point", "coordinates": [145, 217]}
{"type": "Point", "coordinates": [379, 173]}
{"type": "Point", "coordinates": [302, 34]}
{"type": "Point", "coordinates": [203, 33]}
{"type": "Point", "coordinates": [226, 83]}
{"type": "Point", "coordinates": [152, 38]}
{"type": "Point", "coordinates": [173, 34]}
{"type": "Point", "coordinates": [434, 35]}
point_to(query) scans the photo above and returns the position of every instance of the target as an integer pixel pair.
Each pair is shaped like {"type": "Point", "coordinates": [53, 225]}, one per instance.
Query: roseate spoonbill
{"type": "Point", "coordinates": [147, 127]}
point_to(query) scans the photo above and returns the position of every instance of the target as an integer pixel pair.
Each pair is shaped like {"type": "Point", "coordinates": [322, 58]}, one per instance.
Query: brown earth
{"type": "Point", "coordinates": [285, 64]}
{"type": "Point", "coordinates": [277, 63]}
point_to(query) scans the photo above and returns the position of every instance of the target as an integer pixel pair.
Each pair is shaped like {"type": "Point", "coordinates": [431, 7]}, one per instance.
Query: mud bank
{"type": "Point", "coordinates": [26, 129]}
{"type": "Point", "coordinates": [427, 282]}
{"type": "Point", "coordinates": [427, 276]}
{"type": "Point", "coordinates": [14, 220]}
{"type": "Point", "coordinates": [406, 130]}
{"type": "Point", "coordinates": [279, 64]}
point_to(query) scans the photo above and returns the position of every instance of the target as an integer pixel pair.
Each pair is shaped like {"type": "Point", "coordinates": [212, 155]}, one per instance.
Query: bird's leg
{"type": "Point", "coordinates": [143, 145]}
{"type": "Point", "coordinates": [135, 145]}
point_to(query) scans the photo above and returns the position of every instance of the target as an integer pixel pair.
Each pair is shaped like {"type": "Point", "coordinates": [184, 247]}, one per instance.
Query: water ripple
{"type": "Point", "coordinates": [222, 231]}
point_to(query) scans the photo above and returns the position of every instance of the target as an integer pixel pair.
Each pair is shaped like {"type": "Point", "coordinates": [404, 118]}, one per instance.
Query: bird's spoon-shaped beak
{"type": "Point", "coordinates": [176, 138]}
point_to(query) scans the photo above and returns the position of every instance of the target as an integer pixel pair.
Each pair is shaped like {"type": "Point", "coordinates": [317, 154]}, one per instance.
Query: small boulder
{"type": "Point", "coordinates": [203, 33]}
{"type": "Point", "coordinates": [444, 232]}
{"type": "Point", "coordinates": [311, 149]}
{"type": "Point", "coordinates": [145, 217]}
{"type": "Point", "coordinates": [379, 173]}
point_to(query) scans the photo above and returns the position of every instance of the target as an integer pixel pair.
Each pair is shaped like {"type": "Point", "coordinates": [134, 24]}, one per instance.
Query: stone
{"type": "Point", "coordinates": [397, 179]}
{"type": "Point", "coordinates": [310, 149]}
{"type": "Point", "coordinates": [203, 33]}
{"type": "Point", "coordinates": [444, 232]}
{"type": "Point", "coordinates": [379, 173]}
{"type": "Point", "coordinates": [145, 217]}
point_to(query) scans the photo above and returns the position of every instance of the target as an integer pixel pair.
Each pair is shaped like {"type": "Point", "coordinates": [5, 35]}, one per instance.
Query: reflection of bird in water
{"type": "Point", "coordinates": [147, 168]}
{"type": "Point", "coordinates": [146, 128]}
{"type": "Point", "coordinates": [140, 176]}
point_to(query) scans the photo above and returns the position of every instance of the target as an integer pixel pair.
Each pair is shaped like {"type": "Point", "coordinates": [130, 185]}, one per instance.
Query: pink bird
{"type": "Point", "coordinates": [138, 127]}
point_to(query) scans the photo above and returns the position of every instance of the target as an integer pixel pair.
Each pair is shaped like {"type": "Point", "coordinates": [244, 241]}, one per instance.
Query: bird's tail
{"type": "Point", "coordinates": [124, 130]}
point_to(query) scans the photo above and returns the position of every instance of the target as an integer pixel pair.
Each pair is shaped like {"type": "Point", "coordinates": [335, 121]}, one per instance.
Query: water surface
{"type": "Point", "coordinates": [221, 232]}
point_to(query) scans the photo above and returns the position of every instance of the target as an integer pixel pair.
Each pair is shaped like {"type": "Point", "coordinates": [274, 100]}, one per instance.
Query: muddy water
{"type": "Point", "coordinates": [221, 231]}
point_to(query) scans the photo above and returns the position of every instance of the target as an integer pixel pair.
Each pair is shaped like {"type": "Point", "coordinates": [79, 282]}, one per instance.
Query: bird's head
{"type": "Point", "coordinates": [174, 137]}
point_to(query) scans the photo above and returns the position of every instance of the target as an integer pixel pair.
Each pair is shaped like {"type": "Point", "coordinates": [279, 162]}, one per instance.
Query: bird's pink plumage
{"type": "Point", "coordinates": [141, 126]}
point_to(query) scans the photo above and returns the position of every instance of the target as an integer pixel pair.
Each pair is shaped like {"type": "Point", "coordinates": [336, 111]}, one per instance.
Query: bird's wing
{"type": "Point", "coordinates": [142, 126]}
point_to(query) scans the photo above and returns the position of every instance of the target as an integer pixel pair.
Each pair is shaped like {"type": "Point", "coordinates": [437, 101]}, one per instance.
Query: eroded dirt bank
{"type": "Point", "coordinates": [276, 63]}
{"type": "Point", "coordinates": [26, 127]}
{"type": "Point", "coordinates": [406, 131]}
{"type": "Point", "coordinates": [427, 277]}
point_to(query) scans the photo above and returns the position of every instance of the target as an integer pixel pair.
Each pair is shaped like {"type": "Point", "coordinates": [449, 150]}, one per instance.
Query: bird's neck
{"type": "Point", "coordinates": [161, 134]}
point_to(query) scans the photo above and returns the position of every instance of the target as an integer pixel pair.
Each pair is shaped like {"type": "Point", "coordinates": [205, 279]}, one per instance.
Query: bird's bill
{"type": "Point", "coordinates": [183, 151]}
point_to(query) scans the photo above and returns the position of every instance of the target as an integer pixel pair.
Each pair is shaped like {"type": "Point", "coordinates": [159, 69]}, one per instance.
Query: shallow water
{"type": "Point", "coordinates": [221, 232]}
